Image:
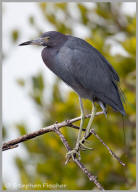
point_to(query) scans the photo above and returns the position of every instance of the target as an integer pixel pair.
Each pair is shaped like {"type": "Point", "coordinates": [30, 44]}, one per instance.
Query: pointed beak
{"type": "Point", "coordinates": [39, 42]}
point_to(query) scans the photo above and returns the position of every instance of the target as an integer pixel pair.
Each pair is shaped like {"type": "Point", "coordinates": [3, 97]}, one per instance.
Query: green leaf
{"type": "Point", "coordinates": [130, 45]}
{"type": "Point", "coordinates": [15, 35]}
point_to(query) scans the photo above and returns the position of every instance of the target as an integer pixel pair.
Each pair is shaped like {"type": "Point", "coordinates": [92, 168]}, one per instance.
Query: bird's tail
{"type": "Point", "coordinates": [115, 100]}
{"type": "Point", "coordinates": [118, 104]}
{"type": "Point", "coordinates": [122, 98]}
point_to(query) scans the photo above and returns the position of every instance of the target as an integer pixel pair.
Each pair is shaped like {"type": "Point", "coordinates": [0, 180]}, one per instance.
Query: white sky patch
{"type": "Point", "coordinates": [21, 62]}
{"type": "Point", "coordinates": [129, 8]}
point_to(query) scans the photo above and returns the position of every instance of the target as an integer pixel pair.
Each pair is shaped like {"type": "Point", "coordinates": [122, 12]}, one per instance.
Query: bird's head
{"type": "Point", "coordinates": [48, 39]}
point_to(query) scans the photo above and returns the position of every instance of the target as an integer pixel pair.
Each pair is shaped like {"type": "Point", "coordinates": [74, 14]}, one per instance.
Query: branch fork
{"type": "Point", "coordinates": [56, 128]}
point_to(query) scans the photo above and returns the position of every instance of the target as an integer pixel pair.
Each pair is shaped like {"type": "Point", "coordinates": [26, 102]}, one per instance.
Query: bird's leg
{"type": "Point", "coordinates": [76, 149]}
{"type": "Point", "coordinates": [81, 124]}
{"type": "Point", "coordinates": [91, 120]}
{"type": "Point", "coordinates": [103, 108]}
{"type": "Point", "coordinates": [89, 125]}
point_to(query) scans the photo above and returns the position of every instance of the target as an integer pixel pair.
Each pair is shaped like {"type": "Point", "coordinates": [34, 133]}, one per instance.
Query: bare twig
{"type": "Point", "coordinates": [91, 177]}
{"type": "Point", "coordinates": [110, 151]}
{"type": "Point", "coordinates": [9, 144]}
{"type": "Point", "coordinates": [9, 147]}
{"type": "Point", "coordinates": [92, 131]}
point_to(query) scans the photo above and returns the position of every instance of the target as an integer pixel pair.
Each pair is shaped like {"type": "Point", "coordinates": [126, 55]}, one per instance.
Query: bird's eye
{"type": "Point", "coordinates": [47, 38]}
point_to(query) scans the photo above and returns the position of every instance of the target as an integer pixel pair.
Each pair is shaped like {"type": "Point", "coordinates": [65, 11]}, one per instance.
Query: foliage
{"type": "Point", "coordinates": [46, 154]}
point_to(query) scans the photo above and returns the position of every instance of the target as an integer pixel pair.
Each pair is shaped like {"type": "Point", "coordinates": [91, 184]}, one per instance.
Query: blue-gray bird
{"type": "Point", "coordinates": [85, 69]}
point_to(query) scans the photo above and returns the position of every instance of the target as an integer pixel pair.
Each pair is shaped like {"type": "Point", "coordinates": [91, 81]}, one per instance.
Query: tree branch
{"type": "Point", "coordinates": [110, 151]}
{"type": "Point", "coordinates": [91, 177]}
{"type": "Point", "coordinates": [13, 143]}
{"type": "Point", "coordinates": [55, 128]}
{"type": "Point", "coordinates": [92, 132]}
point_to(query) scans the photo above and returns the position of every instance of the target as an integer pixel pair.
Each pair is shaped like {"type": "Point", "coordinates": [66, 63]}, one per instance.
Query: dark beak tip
{"type": "Point", "coordinates": [25, 43]}
{"type": "Point", "coordinates": [20, 44]}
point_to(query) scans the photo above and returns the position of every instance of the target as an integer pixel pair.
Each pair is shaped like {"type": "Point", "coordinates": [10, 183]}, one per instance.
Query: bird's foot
{"type": "Point", "coordinates": [76, 151]}
{"type": "Point", "coordinates": [82, 146]}
{"type": "Point", "coordinates": [72, 154]}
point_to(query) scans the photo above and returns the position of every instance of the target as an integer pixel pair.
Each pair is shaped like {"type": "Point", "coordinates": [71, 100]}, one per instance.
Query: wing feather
{"type": "Point", "coordinates": [95, 74]}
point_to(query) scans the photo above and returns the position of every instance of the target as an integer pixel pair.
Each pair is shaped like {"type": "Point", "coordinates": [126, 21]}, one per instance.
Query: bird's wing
{"type": "Point", "coordinates": [95, 75]}
{"type": "Point", "coordinates": [79, 44]}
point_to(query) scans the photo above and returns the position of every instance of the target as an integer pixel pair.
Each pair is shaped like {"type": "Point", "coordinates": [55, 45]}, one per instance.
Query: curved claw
{"type": "Point", "coordinates": [84, 146]}
{"type": "Point", "coordinates": [86, 141]}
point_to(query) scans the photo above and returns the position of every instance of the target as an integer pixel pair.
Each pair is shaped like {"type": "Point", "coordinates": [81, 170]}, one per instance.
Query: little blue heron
{"type": "Point", "coordinates": [85, 69]}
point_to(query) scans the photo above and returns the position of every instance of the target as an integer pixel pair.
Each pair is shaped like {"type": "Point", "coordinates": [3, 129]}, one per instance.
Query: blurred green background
{"type": "Point", "coordinates": [107, 25]}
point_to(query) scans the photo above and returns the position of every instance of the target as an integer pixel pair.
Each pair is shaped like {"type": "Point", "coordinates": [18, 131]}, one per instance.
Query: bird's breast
{"type": "Point", "coordinates": [48, 55]}
{"type": "Point", "coordinates": [60, 62]}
